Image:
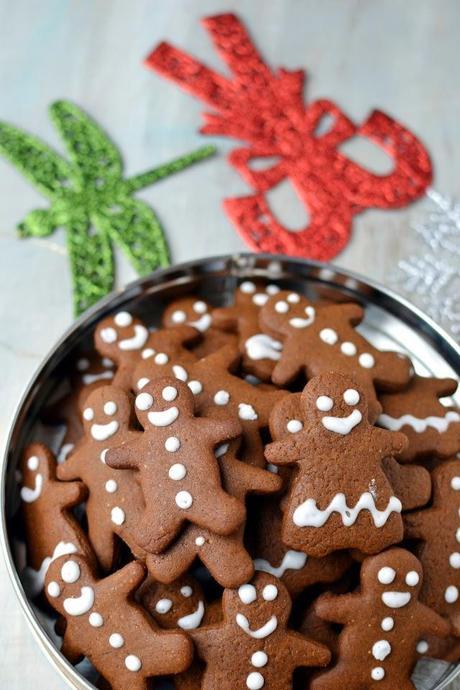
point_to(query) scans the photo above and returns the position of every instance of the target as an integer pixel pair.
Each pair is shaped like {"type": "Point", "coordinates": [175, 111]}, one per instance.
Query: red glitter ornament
{"type": "Point", "coordinates": [267, 110]}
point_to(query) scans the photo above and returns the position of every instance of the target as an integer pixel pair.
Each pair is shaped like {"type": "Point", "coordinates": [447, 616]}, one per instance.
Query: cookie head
{"type": "Point", "coordinates": [106, 411]}
{"type": "Point", "coordinates": [394, 576]}
{"type": "Point", "coordinates": [335, 402]}
{"type": "Point", "coordinates": [192, 311]}
{"type": "Point", "coordinates": [164, 403]}
{"type": "Point", "coordinates": [286, 310]}
{"type": "Point", "coordinates": [249, 293]}
{"type": "Point", "coordinates": [180, 604]}
{"type": "Point", "coordinates": [121, 333]}
{"type": "Point", "coordinates": [69, 586]}
{"type": "Point", "coordinates": [37, 466]}
{"type": "Point", "coordinates": [259, 607]}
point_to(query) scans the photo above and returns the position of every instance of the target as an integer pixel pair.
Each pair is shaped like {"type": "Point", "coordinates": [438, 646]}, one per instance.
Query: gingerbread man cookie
{"type": "Point", "coordinates": [104, 624]}
{"type": "Point", "coordinates": [383, 624]}
{"type": "Point", "coordinates": [177, 468]}
{"type": "Point", "coordinates": [115, 500]}
{"type": "Point", "coordinates": [439, 529]}
{"type": "Point", "coordinates": [51, 529]}
{"type": "Point", "coordinates": [340, 496]}
{"type": "Point", "coordinates": [432, 428]}
{"type": "Point", "coordinates": [323, 338]}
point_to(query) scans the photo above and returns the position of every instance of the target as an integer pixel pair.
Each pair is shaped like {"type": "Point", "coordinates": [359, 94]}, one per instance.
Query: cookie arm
{"type": "Point", "coordinates": [71, 493]}
{"type": "Point", "coordinates": [225, 318]}
{"type": "Point", "coordinates": [416, 524]}
{"type": "Point", "coordinates": [337, 609]}
{"type": "Point", "coordinates": [70, 468]}
{"type": "Point", "coordinates": [350, 311]}
{"type": "Point", "coordinates": [432, 623]}
{"type": "Point", "coordinates": [208, 640]}
{"type": "Point", "coordinates": [126, 581]}
{"type": "Point", "coordinates": [124, 457]}
{"type": "Point", "coordinates": [259, 481]}
{"type": "Point", "coordinates": [305, 652]}
{"type": "Point", "coordinates": [389, 442]}
{"type": "Point", "coordinates": [220, 430]}
{"type": "Point", "coordinates": [285, 452]}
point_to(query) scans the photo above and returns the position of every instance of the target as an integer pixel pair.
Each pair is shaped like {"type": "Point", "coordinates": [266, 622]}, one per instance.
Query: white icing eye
{"type": "Point", "coordinates": [324, 403]}
{"type": "Point", "coordinates": [200, 307]}
{"type": "Point", "coordinates": [172, 444]}
{"type": "Point", "coordinates": [293, 298]}
{"type": "Point", "coordinates": [177, 471]}
{"type": "Point", "coordinates": [144, 401]}
{"type": "Point", "coordinates": [269, 592]}
{"type": "Point", "coordinates": [109, 335]}
{"type": "Point", "coordinates": [148, 352]}
{"type": "Point", "coordinates": [328, 336]}
{"type": "Point", "coordinates": [110, 408]}
{"type": "Point", "coordinates": [178, 316]}
{"type": "Point", "coordinates": [412, 578]}
{"type": "Point", "coordinates": [260, 299]}
{"type": "Point", "coordinates": [53, 589]}
{"type": "Point", "coordinates": [88, 414]}
{"type": "Point", "coordinates": [70, 572]}
{"type": "Point", "coordinates": [351, 397]}
{"type": "Point", "coordinates": [33, 462]}
{"type": "Point", "coordinates": [108, 364]}
{"type": "Point", "coordinates": [195, 386]}
{"type": "Point", "coordinates": [83, 364]}
{"type": "Point", "coordinates": [386, 575]}
{"type": "Point", "coordinates": [222, 397]}
{"type": "Point", "coordinates": [247, 287]}
{"type": "Point", "coordinates": [142, 382]}
{"type": "Point", "coordinates": [163, 606]}
{"type": "Point", "coordinates": [454, 560]}
{"type": "Point", "coordinates": [161, 358]}
{"type": "Point", "coordinates": [179, 372]}
{"type": "Point", "coordinates": [247, 594]}
{"type": "Point", "coordinates": [455, 483]}
{"type": "Point", "coordinates": [366, 360]}
{"type": "Point", "coordinates": [186, 591]}
{"type": "Point", "coordinates": [184, 500]}
{"type": "Point", "coordinates": [282, 307]}
{"type": "Point", "coordinates": [422, 647]}
{"type": "Point", "coordinates": [96, 620]}
{"type": "Point", "coordinates": [294, 425]}
{"type": "Point", "coordinates": [348, 349]}
{"type": "Point", "coordinates": [310, 311]}
{"type": "Point", "coordinates": [123, 319]}
{"type": "Point", "coordinates": [116, 640]}
{"type": "Point", "coordinates": [272, 289]}
{"type": "Point", "coordinates": [169, 393]}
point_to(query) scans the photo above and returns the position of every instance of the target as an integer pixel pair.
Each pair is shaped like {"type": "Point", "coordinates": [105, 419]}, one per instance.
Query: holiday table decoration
{"type": "Point", "coordinates": [266, 109]}
{"type": "Point", "coordinates": [91, 199]}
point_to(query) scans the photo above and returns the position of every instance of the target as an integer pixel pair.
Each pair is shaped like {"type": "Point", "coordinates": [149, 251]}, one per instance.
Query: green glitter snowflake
{"type": "Point", "coordinates": [91, 199]}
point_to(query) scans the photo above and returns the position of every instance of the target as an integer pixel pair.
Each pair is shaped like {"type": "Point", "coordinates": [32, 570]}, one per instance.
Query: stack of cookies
{"type": "Point", "coordinates": [251, 496]}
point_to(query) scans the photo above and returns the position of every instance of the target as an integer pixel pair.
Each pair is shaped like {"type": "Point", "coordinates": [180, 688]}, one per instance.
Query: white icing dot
{"type": "Point", "coordinates": [177, 472]}
{"type": "Point", "coordinates": [260, 299]}
{"type": "Point", "coordinates": [377, 673]}
{"type": "Point", "coordinates": [172, 444]}
{"type": "Point", "coordinates": [454, 560]}
{"type": "Point", "coordinates": [351, 396]}
{"type": "Point", "coordinates": [195, 386]}
{"type": "Point", "coordinates": [186, 591]}
{"type": "Point", "coordinates": [247, 287]}
{"type": "Point", "coordinates": [70, 572]}
{"type": "Point", "coordinates": [348, 349]}
{"type": "Point", "coordinates": [53, 589]}
{"type": "Point", "coordinates": [259, 659]}
{"type": "Point", "coordinates": [270, 592]}
{"type": "Point", "coordinates": [451, 594]}
{"type": "Point", "coordinates": [33, 462]}
{"type": "Point", "coordinates": [179, 372]}
{"type": "Point", "coordinates": [387, 624]}
{"type": "Point", "coordinates": [148, 352]}
{"type": "Point", "coordinates": [455, 483]}
{"type": "Point", "coordinates": [133, 663]}
{"type": "Point", "coordinates": [108, 364]}
{"type": "Point", "coordinates": [247, 594]}
{"type": "Point", "coordinates": [412, 578]}
{"type": "Point", "coordinates": [109, 335]}
{"type": "Point", "coordinates": [328, 336]}
{"type": "Point", "coordinates": [88, 414]}
{"type": "Point", "coordinates": [118, 515]}
{"type": "Point", "coordinates": [111, 486]}
{"type": "Point", "coordinates": [282, 307]}
{"type": "Point", "coordinates": [178, 316]}
{"type": "Point", "coordinates": [123, 319]}
{"type": "Point", "coordinates": [222, 397]}
{"type": "Point", "coordinates": [200, 307]}
{"type": "Point", "coordinates": [272, 468]}
{"type": "Point", "coordinates": [116, 640]}
{"type": "Point", "coordinates": [422, 647]}
{"type": "Point", "coordinates": [324, 403]}
{"type": "Point", "coordinates": [199, 541]}
{"type": "Point", "coordinates": [381, 650]}
{"type": "Point", "coordinates": [293, 298]}
{"type": "Point", "coordinates": [169, 393]}
{"type": "Point", "coordinates": [110, 408]}
{"type": "Point", "coordinates": [103, 454]}
{"type": "Point", "coordinates": [96, 620]}
{"type": "Point", "coordinates": [255, 681]}
{"type": "Point", "coordinates": [83, 364]}
{"type": "Point", "coordinates": [142, 382]}
{"type": "Point", "coordinates": [366, 360]}
{"type": "Point", "coordinates": [457, 534]}
{"type": "Point", "coordinates": [144, 401]}
{"type": "Point", "coordinates": [184, 500]}
{"type": "Point", "coordinates": [294, 425]}
{"type": "Point", "coordinates": [272, 289]}
{"type": "Point", "coordinates": [161, 358]}
{"type": "Point", "coordinates": [386, 575]}
{"type": "Point", "coordinates": [247, 412]}
{"type": "Point", "coordinates": [163, 606]}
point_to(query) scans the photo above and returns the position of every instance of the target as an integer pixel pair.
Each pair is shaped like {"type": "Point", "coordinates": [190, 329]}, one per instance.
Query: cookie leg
{"type": "Point", "coordinates": [214, 509]}
{"type": "Point", "coordinates": [336, 679]}
{"type": "Point", "coordinates": [102, 538]}
{"type": "Point", "coordinates": [228, 561]}
{"type": "Point", "coordinates": [155, 532]}
{"type": "Point", "coordinates": [167, 567]}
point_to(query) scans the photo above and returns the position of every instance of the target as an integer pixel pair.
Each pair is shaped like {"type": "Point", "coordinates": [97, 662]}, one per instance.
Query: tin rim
{"type": "Point", "coordinates": [234, 266]}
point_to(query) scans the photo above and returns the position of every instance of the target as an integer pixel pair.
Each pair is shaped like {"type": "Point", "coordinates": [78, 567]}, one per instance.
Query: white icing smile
{"type": "Point", "coordinates": [342, 425]}
{"type": "Point", "coordinates": [137, 341]}
{"type": "Point", "coordinates": [261, 346]}
{"type": "Point", "coordinates": [163, 418]}
{"type": "Point", "coordinates": [292, 560]}
{"type": "Point", "coordinates": [441, 424]}
{"type": "Point", "coordinates": [202, 324]}
{"type": "Point", "coordinates": [266, 630]}
{"type": "Point", "coordinates": [77, 606]}
{"type": "Point", "coordinates": [308, 515]}
{"type": "Point", "coordinates": [88, 379]}
{"type": "Point", "coordinates": [193, 620]}
{"type": "Point", "coordinates": [30, 495]}
{"type": "Point", "coordinates": [396, 600]}
{"type": "Point", "coordinates": [34, 579]}
{"type": "Point", "coordinates": [297, 322]}
{"type": "Point", "coordinates": [101, 432]}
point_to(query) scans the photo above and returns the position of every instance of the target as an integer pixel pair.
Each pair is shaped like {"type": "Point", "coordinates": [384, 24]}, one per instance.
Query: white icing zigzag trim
{"type": "Point", "coordinates": [308, 515]}
{"type": "Point", "coordinates": [441, 424]}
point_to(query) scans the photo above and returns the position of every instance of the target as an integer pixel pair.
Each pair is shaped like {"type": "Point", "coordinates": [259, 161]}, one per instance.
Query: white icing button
{"type": "Point", "coordinates": [451, 594]}
{"type": "Point", "coordinates": [247, 594]}
{"type": "Point", "coordinates": [351, 396]}
{"type": "Point", "coordinates": [247, 412]}
{"type": "Point", "coordinates": [172, 444]}
{"type": "Point", "coordinates": [111, 486]}
{"type": "Point", "coordinates": [53, 589]}
{"type": "Point", "coordinates": [96, 620]}
{"type": "Point", "coordinates": [255, 681]}
{"type": "Point", "coordinates": [294, 425]}
{"type": "Point", "coordinates": [387, 624]}
{"type": "Point", "coordinates": [270, 592]}
{"type": "Point", "coordinates": [366, 360]}
{"type": "Point", "coordinates": [324, 403]}
{"type": "Point", "coordinates": [247, 287]}
{"type": "Point", "coordinates": [422, 647]}
{"type": "Point", "coordinates": [186, 591]}
{"type": "Point", "coordinates": [178, 316]}
{"type": "Point", "coordinates": [293, 298]}
{"type": "Point", "coordinates": [110, 408]}
{"type": "Point", "coordinates": [386, 575]}
{"type": "Point", "coordinates": [70, 572]}
{"type": "Point", "coordinates": [260, 299]}
{"type": "Point", "coordinates": [348, 349]}
{"type": "Point", "coordinates": [109, 335]}
{"type": "Point", "coordinates": [412, 578]}
{"type": "Point", "coordinates": [381, 650]}
{"type": "Point", "coordinates": [163, 606]}
{"type": "Point", "coordinates": [161, 358]}
{"type": "Point", "coordinates": [144, 401]}
{"type": "Point", "coordinates": [184, 500]}
{"type": "Point", "coordinates": [259, 659]}
{"type": "Point", "coordinates": [455, 483]}
{"type": "Point", "coordinates": [200, 307]}
{"type": "Point", "coordinates": [177, 472]}
{"type": "Point", "coordinates": [454, 560]}
{"type": "Point", "coordinates": [199, 541]}
{"type": "Point", "coordinates": [222, 397]}
{"type": "Point", "coordinates": [377, 673]}
{"type": "Point", "coordinates": [328, 336]}
{"type": "Point", "coordinates": [282, 307]}
{"type": "Point", "coordinates": [179, 372]}
{"type": "Point", "coordinates": [148, 352]}
{"type": "Point", "coordinates": [88, 414]}
{"type": "Point", "coordinates": [123, 319]}
{"type": "Point", "coordinates": [33, 462]}
{"type": "Point", "coordinates": [195, 386]}
{"type": "Point", "coordinates": [116, 640]}
{"type": "Point", "coordinates": [272, 468]}
{"type": "Point", "coordinates": [142, 382]}
{"type": "Point", "coordinates": [133, 663]}
{"type": "Point", "coordinates": [169, 393]}
{"type": "Point", "coordinates": [457, 534]}
{"type": "Point", "coordinates": [103, 454]}
{"type": "Point", "coordinates": [118, 515]}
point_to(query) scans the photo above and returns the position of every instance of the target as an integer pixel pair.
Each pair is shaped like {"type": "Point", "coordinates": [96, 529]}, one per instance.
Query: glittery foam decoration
{"type": "Point", "coordinates": [91, 200]}
{"type": "Point", "coordinates": [267, 110]}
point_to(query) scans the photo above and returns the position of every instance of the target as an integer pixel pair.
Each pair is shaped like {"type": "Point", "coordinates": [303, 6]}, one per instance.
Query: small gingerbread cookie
{"type": "Point", "coordinates": [104, 624]}
{"type": "Point", "coordinates": [180, 604]}
{"type": "Point", "coordinates": [431, 428]}
{"type": "Point", "coordinates": [383, 623]}
{"type": "Point", "coordinates": [340, 496]}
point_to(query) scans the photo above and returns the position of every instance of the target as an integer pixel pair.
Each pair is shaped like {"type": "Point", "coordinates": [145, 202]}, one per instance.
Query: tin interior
{"type": "Point", "coordinates": [390, 323]}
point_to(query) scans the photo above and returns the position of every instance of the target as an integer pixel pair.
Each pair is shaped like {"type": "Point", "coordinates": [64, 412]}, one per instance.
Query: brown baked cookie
{"type": "Point", "coordinates": [50, 527]}
{"type": "Point", "coordinates": [340, 496]}
{"type": "Point", "coordinates": [195, 312]}
{"type": "Point", "coordinates": [431, 428]}
{"type": "Point", "coordinates": [259, 351]}
{"type": "Point", "coordinates": [106, 625]}
{"type": "Point", "coordinates": [253, 647]}
{"type": "Point", "coordinates": [115, 500]}
{"type": "Point", "coordinates": [177, 468]}
{"type": "Point", "coordinates": [319, 630]}
{"type": "Point", "coordinates": [439, 529]}
{"type": "Point", "coordinates": [322, 338]}
{"type": "Point", "coordinates": [383, 624]}
{"type": "Point", "coordinates": [225, 557]}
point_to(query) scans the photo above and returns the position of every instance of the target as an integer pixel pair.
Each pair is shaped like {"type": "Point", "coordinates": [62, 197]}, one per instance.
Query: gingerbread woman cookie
{"type": "Point", "coordinates": [431, 428]}
{"type": "Point", "coordinates": [115, 500]}
{"type": "Point", "coordinates": [323, 338]}
{"type": "Point", "coordinates": [177, 468]}
{"type": "Point", "coordinates": [383, 624]}
{"type": "Point", "coordinates": [340, 496]}
{"type": "Point", "coordinates": [104, 624]}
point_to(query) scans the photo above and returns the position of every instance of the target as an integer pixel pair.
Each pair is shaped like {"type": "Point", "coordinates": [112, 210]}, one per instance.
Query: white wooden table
{"type": "Point", "coordinates": [399, 55]}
